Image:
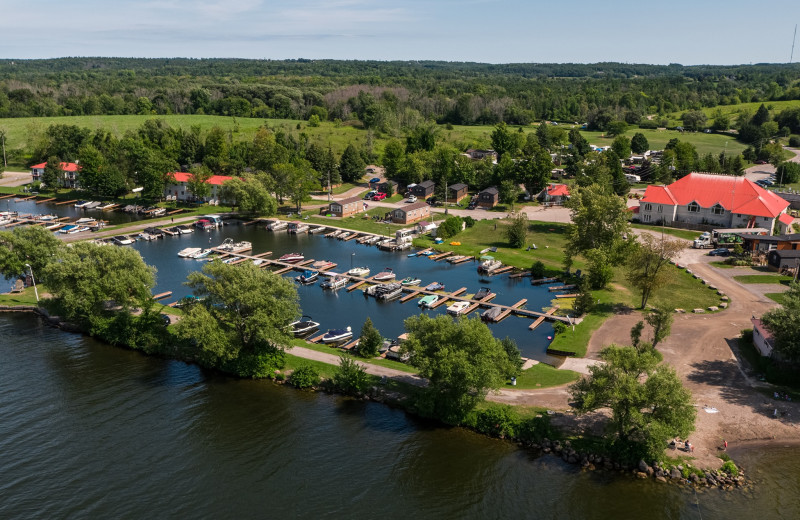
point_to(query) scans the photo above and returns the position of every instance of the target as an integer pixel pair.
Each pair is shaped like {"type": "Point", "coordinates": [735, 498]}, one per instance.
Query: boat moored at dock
{"type": "Point", "coordinates": [308, 277]}
{"type": "Point", "coordinates": [458, 308]}
{"type": "Point", "coordinates": [384, 276]}
{"type": "Point", "coordinates": [291, 258]}
{"type": "Point", "coordinates": [358, 271]}
{"type": "Point", "coordinates": [337, 335]}
{"type": "Point", "coordinates": [428, 301]}
{"type": "Point", "coordinates": [303, 327]}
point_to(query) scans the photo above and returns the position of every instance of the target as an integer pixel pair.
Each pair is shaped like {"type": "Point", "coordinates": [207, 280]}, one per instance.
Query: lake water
{"type": "Point", "coordinates": [29, 207]}
{"type": "Point", "coordinates": [339, 309]}
{"type": "Point", "coordinates": [92, 431]}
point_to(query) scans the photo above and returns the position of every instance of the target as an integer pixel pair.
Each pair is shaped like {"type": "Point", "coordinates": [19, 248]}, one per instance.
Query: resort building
{"type": "Point", "coordinates": [68, 178]}
{"type": "Point", "coordinates": [720, 201]}
{"type": "Point", "coordinates": [411, 213]}
{"type": "Point", "coordinates": [456, 192]}
{"type": "Point", "coordinates": [346, 207]}
{"type": "Point", "coordinates": [177, 190]}
{"type": "Point", "coordinates": [488, 198]}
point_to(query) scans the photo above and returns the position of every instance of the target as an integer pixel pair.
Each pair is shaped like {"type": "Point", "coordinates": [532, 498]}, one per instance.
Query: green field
{"type": "Point", "coordinates": [763, 278]}
{"type": "Point", "coordinates": [773, 107]}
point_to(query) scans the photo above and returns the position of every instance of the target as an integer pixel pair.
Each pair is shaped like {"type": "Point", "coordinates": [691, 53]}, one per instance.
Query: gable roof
{"type": "Point", "coordinates": [412, 207]}
{"type": "Point", "coordinates": [426, 184]}
{"type": "Point", "coordinates": [787, 219]}
{"type": "Point", "coordinates": [558, 190]}
{"type": "Point", "coordinates": [492, 190]}
{"type": "Point", "coordinates": [456, 187]}
{"type": "Point", "coordinates": [216, 180]}
{"type": "Point", "coordinates": [65, 166]}
{"type": "Point", "coordinates": [735, 194]}
{"type": "Point", "coordinates": [348, 200]}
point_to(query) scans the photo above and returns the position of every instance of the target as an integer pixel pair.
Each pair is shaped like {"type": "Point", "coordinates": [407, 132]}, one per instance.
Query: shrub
{"type": "Point", "coordinates": [559, 327]}
{"type": "Point", "coordinates": [469, 221]}
{"type": "Point", "coordinates": [730, 468]}
{"type": "Point", "coordinates": [369, 341]}
{"type": "Point", "coordinates": [794, 141]}
{"type": "Point", "coordinates": [350, 377]}
{"type": "Point", "coordinates": [497, 421]}
{"type": "Point", "coordinates": [724, 456]}
{"type": "Point", "coordinates": [584, 303]}
{"type": "Point", "coordinates": [537, 270]}
{"type": "Point", "coordinates": [305, 376]}
{"type": "Point", "coordinates": [449, 228]}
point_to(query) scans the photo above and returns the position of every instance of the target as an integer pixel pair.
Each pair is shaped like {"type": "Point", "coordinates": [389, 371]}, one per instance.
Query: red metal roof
{"type": "Point", "coordinates": [65, 166]}
{"type": "Point", "coordinates": [786, 219]}
{"type": "Point", "coordinates": [558, 190]}
{"type": "Point", "coordinates": [216, 180]}
{"type": "Point", "coordinates": [736, 194]}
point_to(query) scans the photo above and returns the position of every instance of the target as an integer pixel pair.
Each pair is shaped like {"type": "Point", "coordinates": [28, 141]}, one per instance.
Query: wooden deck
{"type": "Point", "coordinates": [465, 259]}
{"type": "Point", "coordinates": [541, 319]}
{"type": "Point", "coordinates": [162, 295]}
{"type": "Point", "coordinates": [440, 256]}
{"type": "Point", "coordinates": [523, 274]}
{"type": "Point", "coordinates": [64, 202]}
{"type": "Point", "coordinates": [356, 285]}
{"type": "Point", "coordinates": [45, 200]}
{"type": "Point", "coordinates": [543, 280]}
{"type": "Point", "coordinates": [574, 295]}
{"type": "Point", "coordinates": [503, 315]}
{"type": "Point", "coordinates": [409, 296]}
{"type": "Point", "coordinates": [560, 288]}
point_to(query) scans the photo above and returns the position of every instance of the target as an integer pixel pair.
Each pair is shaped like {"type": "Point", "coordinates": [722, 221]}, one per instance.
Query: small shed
{"type": "Point", "coordinates": [423, 190]}
{"type": "Point", "coordinates": [411, 213]}
{"type": "Point", "coordinates": [762, 337]}
{"type": "Point", "coordinates": [346, 207]}
{"type": "Point", "coordinates": [456, 192]}
{"type": "Point", "coordinates": [784, 258]}
{"type": "Point", "coordinates": [488, 198]}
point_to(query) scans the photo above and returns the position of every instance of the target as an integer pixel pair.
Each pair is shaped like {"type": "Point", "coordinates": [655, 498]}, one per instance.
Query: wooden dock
{"type": "Point", "coordinates": [22, 199]}
{"type": "Point", "coordinates": [541, 319]}
{"type": "Point", "coordinates": [66, 202]}
{"type": "Point", "coordinates": [350, 237]}
{"type": "Point", "coordinates": [329, 265]}
{"type": "Point", "coordinates": [523, 274]}
{"type": "Point", "coordinates": [465, 259]}
{"type": "Point", "coordinates": [440, 256]}
{"type": "Point", "coordinates": [459, 292]}
{"type": "Point", "coordinates": [262, 255]}
{"type": "Point", "coordinates": [441, 301]}
{"type": "Point", "coordinates": [162, 295]}
{"type": "Point", "coordinates": [471, 308]}
{"type": "Point", "coordinates": [503, 315]}
{"type": "Point", "coordinates": [8, 196]}
{"type": "Point", "coordinates": [351, 345]}
{"type": "Point", "coordinates": [45, 200]}
{"type": "Point", "coordinates": [560, 288]}
{"type": "Point", "coordinates": [502, 270]}
{"type": "Point", "coordinates": [409, 296]}
{"type": "Point", "coordinates": [174, 212]}
{"type": "Point", "coordinates": [543, 280]}
{"type": "Point", "coordinates": [356, 285]}
{"type": "Point", "coordinates": [315, 339]}
{"type": "Point", "coordinates": [574, 295]}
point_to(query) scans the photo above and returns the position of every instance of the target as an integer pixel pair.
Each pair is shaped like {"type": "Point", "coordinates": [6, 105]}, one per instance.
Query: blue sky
{"type": "Point", "coordinates": [495, 31]}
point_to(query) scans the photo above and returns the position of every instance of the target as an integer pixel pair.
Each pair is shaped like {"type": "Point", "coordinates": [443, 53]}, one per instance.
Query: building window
{"type": "Point", "coordinates": [646, 218]}
{"type": "Point", "coordinates": [648, 207]}
{"type": "Point", "coordinates": [660, 209]}
{"type": "Point", "coordinates": [693, 207]}
{"type": "Point", "coordinates": [718, 210]}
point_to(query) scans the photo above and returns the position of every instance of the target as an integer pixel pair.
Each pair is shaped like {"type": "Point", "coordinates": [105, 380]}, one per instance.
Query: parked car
{"type": "Point", "coordinates": [379, 196]}
{"type": "Point", "coordinates": [761, 161]}
{"type": "Point", "coordinates": [433, 201]}
{"type": "Point", "coordinates": [375, 180]}
{"type": "Point", "coordinates": [721, 251]}
{"type": "Point", "coordinates": [412, 198]}
{"type": "Point", "coordinates": [370, 194]}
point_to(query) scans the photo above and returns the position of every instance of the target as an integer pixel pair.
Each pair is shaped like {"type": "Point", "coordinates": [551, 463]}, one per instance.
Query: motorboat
{"type": "Point", "coordinates": [491, 314]}
{"type": "Point", "coordinates": [51, 225]}
{"type": "Point", "coordinates": [303, 326]}
{"type": "Point", "coordinates": [384, 276]}
{"type": "Point", "coordinates": [276, 225]}
{"type": "Point", "coordinates": [93, 204]}
{"type": "Point", "coordinates": [184, 229]}
{"type": "Point", "coordinates": [425, 253]}
{"type": "Point", "coordinates": [344, 235]}
{"type": "Point", "coordinates": [46, 218]}
{"type": "Point", "coordinates": [336, 282]}
{"type": "Point", "coordinates": [85, 221]}
{"type": "Point", "coordinates": [458, 308]}
{"type": "Point", "coordinates": [82, 203]}
{"type": "Point", "coordinates": [428, 301]}
{"type": "Point", "coordinates": [81, 229]}
{"type": "Point", "coordinates": [291, 258]}
{"type": "Point", "coordinates": [203, 224]}
{"type": "Point", "coordinates": [358, 271]}
{"type": "Point", "coordinates": [145, 236]}
{"type": "Point", "coordinates": [189, 252]}
{"type": "Point", "coordinates": [258, 261]}
{"type": "Point", "coordinates": [482, 293]}
{"type": "Point", "coordinates": [337, 335]}
{"type": "Point", "coordinates": [435, 286]}
{"type": "Point", "coordinates": [158, 212]}
{"type": "Point", "coordinates": [455, 258]}
{"type": "Point", "coordinates": [122, 240]}
{"type": "Point", "coordinates": [107, 205]}
{"type": "Point", "coordinates": [229, 246]}
{"type": "Point", "coordinates": [308, 277]}
{"type": "Point", "coordinates": [410, 282]}
{"type": "Point", "coordinates": [66, 229]}
{"type": "Point", "coordinates": [202, 254]}
{"type": "Point", "coordinates": [154, 231]}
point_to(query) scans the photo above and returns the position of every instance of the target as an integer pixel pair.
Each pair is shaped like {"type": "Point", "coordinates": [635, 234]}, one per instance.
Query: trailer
{"type": "Point", "coordinates": [726, 237]}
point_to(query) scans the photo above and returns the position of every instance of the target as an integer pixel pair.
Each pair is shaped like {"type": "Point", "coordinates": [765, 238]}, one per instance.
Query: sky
{"type": "Point", "coordinates": [492, 31]}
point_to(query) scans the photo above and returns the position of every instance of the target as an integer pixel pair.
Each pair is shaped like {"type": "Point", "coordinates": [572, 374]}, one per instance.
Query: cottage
{"type": "Point", "coordinates": [411, 213]}
{"type": "Point", "coordinates": [554, 194]}
{"type": "Point", "coordinates": [479, 155]}
{"type": "Point", "coordinates": [488, 198]}
{"type": "Point", "coordinates": [456, 192]}
{"type": "Point", "coordinates": [722, 201]}
{"type": "Point", "coordinates": [423, 190]}
{"type": "Point", "coordinates": [177, 189]}
{"type": "Point", "coordinates": [346, 207]}
{"type": "Point", "coordinates": [762, 337]}
{"type": "Point", "coordinates": [384, 187]}
{"type": "Point", "coordinates": [68, 177]}
{"type": "Point", "coordinates": [753, 242]}
{"type": "Point", "coordinates": [784, 259]}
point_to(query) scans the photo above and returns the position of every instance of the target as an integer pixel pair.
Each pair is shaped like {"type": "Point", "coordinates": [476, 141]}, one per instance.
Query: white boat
{"type": "Point", "coordinates": [185, 230]}
{"type": "Point", "coordinates": [189, 251]}
{"type": "Point", "coordinates": [276, 225]}
{"type": "Point", "coordinates": [106, 206]}
{"type": "Point", "coordinates": [303, 326]}
{"type": "Point", "coordinates": [201, 254]}
{"type": "Point", "coordinates": [384, 276]}
{"type": "Point", "coordinates": [85, 221]}
{"type": "Point", "coordinates": [145, 236]}
{"type": "Point", "coordinates": [122, 240]}
{"type": "Point", "coordinates": [358, 271]}
{"type": "Point", "coordinates": [389, 291]}
{"type": "Point", "coordinates": [82, 203]}
{"type": "Point", "coordinates": [291, 258]}
{"type": "Point", "coordinates": [93, 204]}
{"type": "Point", "coordinates": [258, 261]}
{"type": "Point", "coordinates": [344, 235]}
{"type": "Point", "coordinates": [318, 229]}
{"type": "Point", "coordinates": [46, 218]}
{"type": "Point", "coordinates": [52, 225]}
{"type": "Point", "coordinates": [229, 246]}
{"type": "Point", "coordinates": [337, 335]}
{"type": "Point", "coordinates": [410, 281]}
{"type": "Point", "coordinates": [489, 265]}
{"type": "Point", "coordinates": [455, 258]}
{"type": "Point", "coordinates": [458, 308]}
{"type": "Point", "coordinates": [428, 301]}
{"type": "Point", "coordinates": [297, 227]}
{"type": "Point", "coordinates": [334, 282]}
{"type": "Point", "coordinates": [81, 229]}
{"type": "Point", "coordinates": [158, 212]}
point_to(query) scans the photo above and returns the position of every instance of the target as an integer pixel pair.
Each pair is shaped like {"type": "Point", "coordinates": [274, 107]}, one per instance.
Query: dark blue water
{"type": "Point", "coordinates": [28, 207]}
{"type": "Point", "coordinates": [341, 309]}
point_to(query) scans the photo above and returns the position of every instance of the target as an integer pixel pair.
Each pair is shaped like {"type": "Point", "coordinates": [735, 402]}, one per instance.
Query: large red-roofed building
{"type": "Point", "coordinates": [178, 190]}
{"type": "Point", "coordinates": [722, 201]}
{"type": "Point", "coordinates": [69, 173]}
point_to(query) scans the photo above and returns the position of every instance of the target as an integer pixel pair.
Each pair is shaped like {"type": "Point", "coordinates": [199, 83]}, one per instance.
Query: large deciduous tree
{"type": "Point", "coordinates": [198, 183]}
{"type": "Point", "coordinates": [784, 323]}
{"type": "Point", "coordinates": [648, 403]}
{"type": "Point", "coordinates": [639, 143]}
{"type": "Point", "coordinates": [52, 174]}
{"type": "Point", "coordinates": [517, 230]}
{"type": "Point", "coordinates": [240, 324]}
{"type": "Point", "coordinates": [32, 245]}
{"type": "Point", "coordinates": [505, 141]}
{"type": "Point", "coordinates": [599, 221]}
{"type": "Point", "coordinates": [351, 165]}
{"type": "Point", "coordinates": [249, 195]}
{"type": "Point", "coordinates": [461, 360]}
{"type": "Point", "coordinates": [648, 264]}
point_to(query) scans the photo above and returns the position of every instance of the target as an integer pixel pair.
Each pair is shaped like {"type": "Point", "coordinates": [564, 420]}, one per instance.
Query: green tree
{"type": "Point", "coordinates": [450, 227]}
{"type": "Point", "coordinates": [648, 266]}
{"type": "Point", "coordinates": [694, 120]}
{"type": "Point", "coordinates": [198, 184]}
{"type": "Point", "coordinates": [249, 195]}
{"type": "Point", "coordinates": [534, 169]}
{"type": "Point", "coordinates": [508, 192]}
{"type": "Point", "coordinates": [621, 146]}
{"type": "Point", "coordinates": [351, 166]}
{"type": "Point", "coordinates": [761, 116]}
{"type": "Point", "coordinates": [92, 167]}
{"type": "Point", "coordinates": [461, 360]}
{"type": "Point", "coordinates": [505, 141]}
{"type": "Point", "coordinates": [543, 136]}
{"type": "Point", "coordinates": [304, 376]}
{"type": "Point", "coordinates": [599, 220]}
{"type": "Point", "coordinates": [393, 158]}
{"type": "Point", "coordinates": [350, 376]}
{"type": "Point", "coordinates": [580, 146]}
{"type": "Point", "coordinates": [584, 302]}
{"type": "Point", "coordinates": [648, 403]}
{"type": "Point", "coordinates": [514, 356]}
{"type": "Point", "coordinates": [517, 230]}
{"type": "Point", "coordinates": [599, 267]}
{"type": "Point", "coordinates": [784, 323]}
{"type": "Point", "coordinates": [31, 245]}
{"type": "Point", "coordinates": [52, 174]}
{"type": "Point", "coordinates": [639, 143]}
{"type": "Point", "coordinates": [788, 172]}
{"type": "Point", "coordinates": [537, 270]}
{"type": "Point", "coordinates": [313, 121]}
{"type": "Point", "coordinates": [616, 128]}
{"type": "Point", "coordinates": [660, 319]}
{"type": "Point", "coordinates": [240, 326]}
{"type": "Point", "coordinates": [370, 340]}
{"type": "Point", "coordinates": [619, 183]}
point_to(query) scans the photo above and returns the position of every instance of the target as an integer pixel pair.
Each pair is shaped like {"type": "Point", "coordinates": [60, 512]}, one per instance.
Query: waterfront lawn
{"type": "Point", "coordinates": [355, 223]}
{"type": "Point", "coordinates": [26, 297]}
{"type": "Point", "coordinates": [686, 234]}
{"type": "Point", "coordinates": [387, 363]}
{"type": "Point", "coordinates": [543, 375]}
{"type": "Point", "coordinates": [763, 278]}
{"type": "Point", "coordinates": [576, 339]}
{"type": "Point", "coordinates": [683, 292]}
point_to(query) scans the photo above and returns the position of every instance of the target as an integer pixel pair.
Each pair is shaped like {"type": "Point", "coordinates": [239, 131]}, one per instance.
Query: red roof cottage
{"type": "Point", "coordinates": [69, 172]}
{"type": "Point", "coordinates": [722, 201]}
{"type": "Point", "coordinates": [177, 189]}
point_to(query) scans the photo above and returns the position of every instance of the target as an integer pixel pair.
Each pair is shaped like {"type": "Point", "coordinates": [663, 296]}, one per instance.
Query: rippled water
{"type": "Point", "coordinates": [92, 431]}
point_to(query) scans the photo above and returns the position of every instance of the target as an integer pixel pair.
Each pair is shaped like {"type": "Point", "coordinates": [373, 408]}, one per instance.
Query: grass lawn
{"type": "Point", "coordinates": [722, 265]}
{"type": "Point", "coordinates": [388, 363]}
{"type": "Point", "coordinates": [705, 143]}
{"type": "Point", "coordinates": [356, 223]}
{"type": "Point", "coordinates": [777, 297]}
{"type": "Point", "coordinates": [397, 197]}
{"type": "Point", "coordinates": [26, 297]}
{"type": "Point", "coordinates": [686, 234]}
{"type": "Point", "coordinates": [577, 339]}
{"type": "Point", "coordinates": [763, 278]}
{"type": "Point", "coordinates": [543, 376]}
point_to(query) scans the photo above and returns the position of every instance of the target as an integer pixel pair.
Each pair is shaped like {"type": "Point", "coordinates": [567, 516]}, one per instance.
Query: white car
{"type": "Point", "coordinates": [412, 198]}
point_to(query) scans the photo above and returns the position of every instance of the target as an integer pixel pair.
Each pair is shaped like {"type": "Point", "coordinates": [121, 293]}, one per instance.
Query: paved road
{"type": "Point", "coordinates": [13, 179]}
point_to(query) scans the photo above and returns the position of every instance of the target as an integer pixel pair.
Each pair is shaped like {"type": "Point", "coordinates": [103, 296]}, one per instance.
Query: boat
{"type": "Point", "coordinates": [258, 261]}
{"type": "Point", "coordinates": [488, 264]}
{"type": "Point", "coordinates": [81, 229]}
{"type": "Point", "coordinates": [425, 253]}
{"type": "Point", "coordinates": [229, 246]}
{"type": "Point", "coordinates": [434, 286]}
{"type": "Point", "coordinates": [410, 282]}
{"type": "Point", "coordinates": [66, 229]}
{"type": "Point", "coordinates": [184, 229]}
{"type": "Point", "coordinates": [389, 291]}
{"type": "Point", "coordinates": [337, 335]}
{"type": "Point", "coordinates": [429, 300]}
{"type": "Point", "coordinates": [81, 203]}
{"type": "Point", "coordinates": [303, 326]}
{"type": "Point", "coordinates": [202, 254]}
{"type": "Point", "coordinates": [203, 224]}
{"type": "Point", "coordinates": [85, 221]}
{"type": "Point", "coordinates": [52, 225]}
{"type": "Point", "coordinates": [455, 258]}
{"type": "Point", "coordinates": [344, 235]}
{"type": "Point", "coordinates": [107, 205]}
{"type": "Point", "coordinates": [308, 277]}
{"type": "Point", "coordinates": [482, 293]}
{"type": "Point", "coordinates": [296, 227]}
{"type": "Point", "coordinates": [93, 204]}
{"type": "Point", "coordinates": [46, 218]}
{"type": "Point", "coordinates": [276, 225]}
{"type": "Point", "coordinates": [189, 251]}
{"type": "Point", "coordinates": [122, 240]}
{"type": "Point", "coordinates": [491, 314]}
{"type": "Point", "coordinates": [358, 271]}
{"type": "Point", "coordinates": [384, 276]}
{"type": "Point", "coordinates": [154, 232]}
{"type": "Point", "coordinates": [291, 258]}
{"type": "Point", "coordinates": [158, 212]}
{"type": "Point", "coordinates": [458, 308]}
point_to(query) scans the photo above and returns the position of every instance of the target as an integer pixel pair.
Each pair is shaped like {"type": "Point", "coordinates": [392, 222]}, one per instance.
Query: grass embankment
{"type": "Point", "coordinates": [26, 297]}
{"type": "Point", "coordinates": [387, 363]}
{"type": "Point", "coordinates": [356, 222]}
{"type": "Point", "coordinates": [764, 278]}
{"type": "Point", "coordinates": [685, 234]}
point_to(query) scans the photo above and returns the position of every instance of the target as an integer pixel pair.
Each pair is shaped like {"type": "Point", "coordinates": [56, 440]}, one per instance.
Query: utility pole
{"type": "Point", "coordinates": [3, 139]}
{"type": "Point", "coordinates": [791, 56]}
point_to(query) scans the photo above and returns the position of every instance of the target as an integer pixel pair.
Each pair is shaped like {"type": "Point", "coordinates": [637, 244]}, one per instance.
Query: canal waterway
{"type": "Point", "coordinates": [339, 309]}
{"type": "Point", "coordinates": [29, 207]}
{"type": "Point", "coordinates": [93, 431]}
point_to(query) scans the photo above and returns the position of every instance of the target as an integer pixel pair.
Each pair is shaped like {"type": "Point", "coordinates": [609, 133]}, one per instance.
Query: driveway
{"type": "Point", "coordinates": [13, 179]}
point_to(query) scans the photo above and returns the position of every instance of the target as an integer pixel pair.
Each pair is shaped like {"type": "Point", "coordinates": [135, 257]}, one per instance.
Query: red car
{"type": "Point", "coordinates": [761, 161]}
{"type": "Point", "coordinates": [379, 196]}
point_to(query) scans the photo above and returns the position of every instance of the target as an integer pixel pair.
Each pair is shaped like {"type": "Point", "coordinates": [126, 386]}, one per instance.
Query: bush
{"type": "Point", "coordinates": [559, 327]}
{"type": "Point", "coordinates": [449, 228]}
{"type": "Point", "coordinates": [369, 341]}
{"type": "Point", "coordinates": [730, 468]}
{"type": "Point", "coordinates": [305, 376]}
{"type": "Point", "coordinates": [584, 303]}
{"type": "Point", "coordinates": [497, 421]}
{"type": "Point", "coordinates": [537, 270]}
{"type": "Point", "coordinates": [794, 141]}
{"type": "Point", "coordinates": [350, 377]}
{"type": "Point", "coordinates": [469, 221]}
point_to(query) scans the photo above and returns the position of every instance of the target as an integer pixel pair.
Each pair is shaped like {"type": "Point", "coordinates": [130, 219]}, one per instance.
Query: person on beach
{"type": "Point", "coordinates": [725, 444]}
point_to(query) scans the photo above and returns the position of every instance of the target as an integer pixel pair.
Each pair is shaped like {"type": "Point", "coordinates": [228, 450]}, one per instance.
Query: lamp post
{"type": "Point", "coordinates": [35, 290]}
